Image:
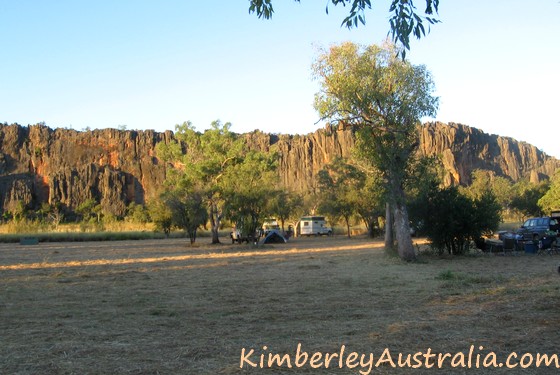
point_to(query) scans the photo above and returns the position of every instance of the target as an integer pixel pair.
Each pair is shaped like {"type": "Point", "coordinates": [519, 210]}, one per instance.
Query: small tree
{"type": "Point", "coordinates": [56, 214]}
{"type": "Point", "coordinates": [285, 205]}
{"type": "Point", "coordinates": [370, 200]}
{"type": "Point", "coordinates": [501, 187]}
{"type": "Point", "coordinates": [19, 211]}
{"type": "Point", "coordinates": [424, 181]}
{"type": "Point", "coordinates": [248, 187]}
{"type": "Point", "coordinates": [340, 188]}
{"type": "Point", "coordinates": [137, 213]}
{"type": "Point", "coordinates": [187, 210]}
{"type": "Point", "coordinates": [550, 201]}
{"type": "Point", "coordinates": [201, 161]}
{"type": "Point", "coordinates": [527, 196]}
{"type": "Point", "coordinates": [161, 215]}
{"type": "Point", "coordinates": [454, 220]}
{"type": "Point", "coordinates": [88, 209]}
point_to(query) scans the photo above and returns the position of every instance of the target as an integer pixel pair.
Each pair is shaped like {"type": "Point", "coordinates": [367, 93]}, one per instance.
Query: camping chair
{"type": "Point", "coordinates": [547, 246]}
{"type": "Point", "coordinates": [510, 245]}
{"type": "Point", "coordinates": [555, 246]}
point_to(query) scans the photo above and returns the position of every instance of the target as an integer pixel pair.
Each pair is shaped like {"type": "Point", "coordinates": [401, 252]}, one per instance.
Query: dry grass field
{"type": "Point", "coordinates": [162, 307]}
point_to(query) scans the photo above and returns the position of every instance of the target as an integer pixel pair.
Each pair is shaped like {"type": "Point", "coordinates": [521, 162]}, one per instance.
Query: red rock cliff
{"type": "Point", "coordinates": [39, 164]}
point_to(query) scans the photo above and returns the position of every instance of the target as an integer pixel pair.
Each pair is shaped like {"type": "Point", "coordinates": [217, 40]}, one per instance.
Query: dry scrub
{"type": "Point", "coordinates": [162, 307]}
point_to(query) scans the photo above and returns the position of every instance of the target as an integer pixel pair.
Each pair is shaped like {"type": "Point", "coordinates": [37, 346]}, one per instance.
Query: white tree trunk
{"type": "Point", "coordinates": [402, 229]}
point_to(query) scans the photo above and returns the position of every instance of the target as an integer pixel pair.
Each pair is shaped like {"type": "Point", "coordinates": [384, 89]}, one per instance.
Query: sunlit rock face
{"type": "Point", "coordinates": [464, 149]}
{"type": "Point", "coordinates": [39, 164]}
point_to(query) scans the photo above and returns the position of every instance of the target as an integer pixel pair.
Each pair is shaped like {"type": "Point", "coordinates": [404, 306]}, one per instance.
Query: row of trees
{"type": "Point", "coordinates": [451, 217]}
{"type": "Point", "coordinates": [216, 176]}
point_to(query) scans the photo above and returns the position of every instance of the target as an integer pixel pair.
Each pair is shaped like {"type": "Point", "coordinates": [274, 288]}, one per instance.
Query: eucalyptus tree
{"type": "Point", "coordinates": [202, 160]}
{"type": "Point", "coordinates": [286, 205]}
{"type": "Point", "coordinates": [383, 97]}
{"type": "Point", "coordinates": [340, 186]}
{"type": "Point", "coordinates": [550, 201]}
{"type": "Point", "coordinates": [249, 185]}
{"type": "Point", "coordinates": [187, 210]}
{"type": "Point", "coordinates": [527, 196]}
{"type": "Point", "coordinates": [483, 180]}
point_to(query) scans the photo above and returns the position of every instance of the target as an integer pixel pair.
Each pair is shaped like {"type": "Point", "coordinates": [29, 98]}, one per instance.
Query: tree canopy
{"type": "Point", "coordinates": [406, 19]}
{"type": "Point", "coordinates": [452, 220]}
{"type": "Point", "coordinates": [550, 201]}
{"type": "Point", "coordinates": [384, 97]}
{"type": "Point", "coordinates": [217, 169]}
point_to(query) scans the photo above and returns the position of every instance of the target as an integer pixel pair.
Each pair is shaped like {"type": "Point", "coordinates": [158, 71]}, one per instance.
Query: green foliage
{"type": "Point", "coordinates": [218, 167]}
{"type": "Point", "coordinates": [51, 214]}
{"type": "Point", "coordinates": [369, 88]}
{"type": "Point", "coordinates": [202, 161]}
{"type": "Point", "coordinates": [285, 206]}
{"type": "Point", "coordinates": [161, 216]}
{"type": "Point", "coordinates": [487, 214]}
{"type": "Point", "coordinates": [370, 201]}
{"type": "Point", "coordinates": [501, 187]}
{"type": "Point", "coordinates": [405, 21]}
{"type": "Point", "coordinates": [373, 90]}
{"type": "Point", "coordinates": [550, 201]}
{"type": "Point", "coordinates": [523, 197]}
{"type": "Point", "coordinates": [137, 213]}
{"type": "Point", "coordinates": [248, 188]}
{"type": "Point", "coordinates": [527, 196]}
{"type": "Point", "coordinates": [187, 210]}
{"type": "Point", "coordinates": [345, 191]}
{"type": "Point", "coordinates": [19, 211]}
{"type": "Point", "coordinates": [88, 209]}
{"type": "Point", "coordinates": [425, 179]}
{"type": "Point", "coordinates": [453, 220]}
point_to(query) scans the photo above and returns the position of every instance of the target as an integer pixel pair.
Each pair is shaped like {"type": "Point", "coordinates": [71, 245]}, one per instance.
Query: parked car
{"type": "Point", "coordinates": [538, 227]}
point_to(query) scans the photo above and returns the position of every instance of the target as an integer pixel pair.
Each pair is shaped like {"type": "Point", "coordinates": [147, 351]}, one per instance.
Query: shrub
{"type": "Point", "coordinates": [454, 220]}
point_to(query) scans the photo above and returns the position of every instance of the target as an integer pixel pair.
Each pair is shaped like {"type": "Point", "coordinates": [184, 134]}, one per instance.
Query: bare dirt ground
{"type": "Point", "coordinates": [162, 307]}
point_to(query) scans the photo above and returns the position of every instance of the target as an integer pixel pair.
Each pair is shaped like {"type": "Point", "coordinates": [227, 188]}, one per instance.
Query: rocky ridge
{"type": "Point", "coordinates": [39, 164]}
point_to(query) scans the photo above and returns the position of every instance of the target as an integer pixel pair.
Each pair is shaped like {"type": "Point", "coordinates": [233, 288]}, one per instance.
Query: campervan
{"type": "Point", "coordinates": [270, 225]}
{"type": "Point", "coordinates": [314, 226]}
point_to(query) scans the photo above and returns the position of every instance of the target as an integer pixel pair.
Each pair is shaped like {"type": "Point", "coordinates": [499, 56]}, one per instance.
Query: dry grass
{"type": "Point", "coordinates": [162, 307]}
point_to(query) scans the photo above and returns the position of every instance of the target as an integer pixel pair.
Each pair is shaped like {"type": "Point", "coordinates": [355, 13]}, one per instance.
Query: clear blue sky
{"type": "Point", "coordinates": [153, 64]}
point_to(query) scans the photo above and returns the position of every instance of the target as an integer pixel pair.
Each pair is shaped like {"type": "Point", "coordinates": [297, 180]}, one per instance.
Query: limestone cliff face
{"type": "Point", "coordinates": [301, 157]}
{"type": "Point", "coordinates": [463, 149]}
{"type": "Point", "coordinates": [39, 164]}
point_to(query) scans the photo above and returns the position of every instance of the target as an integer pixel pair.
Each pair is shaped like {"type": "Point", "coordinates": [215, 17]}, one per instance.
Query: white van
{"type": "Point", "coordinates": [269, 225]}
{"type": "Point", "coordinates": [314, 226]}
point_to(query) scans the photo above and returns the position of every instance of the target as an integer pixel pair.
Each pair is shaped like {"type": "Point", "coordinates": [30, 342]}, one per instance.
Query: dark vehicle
{"type": "Point", "coordinates": [539, 227]}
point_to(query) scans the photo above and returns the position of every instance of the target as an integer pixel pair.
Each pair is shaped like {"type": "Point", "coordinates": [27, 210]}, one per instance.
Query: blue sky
{"type": "Point", "coordinates": [153, 64]}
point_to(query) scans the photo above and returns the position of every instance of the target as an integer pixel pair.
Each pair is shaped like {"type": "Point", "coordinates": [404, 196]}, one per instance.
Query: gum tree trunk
{"type": "Point", "coordinates": [402, 229]}
{"type": "Point", "coordinates": [215, 218]}
{"type": "Point", "coordinates": [389, 240]}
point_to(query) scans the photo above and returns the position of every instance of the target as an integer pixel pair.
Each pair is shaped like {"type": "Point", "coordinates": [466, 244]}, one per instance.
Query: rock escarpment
{"type": "Point", "coordinates": [463, 149]}
{"type": "Point", "coordinates": [39, 164]}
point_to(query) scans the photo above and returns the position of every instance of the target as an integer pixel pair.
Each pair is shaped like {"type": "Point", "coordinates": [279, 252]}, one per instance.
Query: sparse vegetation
{"type": "Point", "coordinates": [161, 307]}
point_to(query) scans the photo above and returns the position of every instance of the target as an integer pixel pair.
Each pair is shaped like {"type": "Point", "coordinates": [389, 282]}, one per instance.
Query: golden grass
{"type": "Point", "coordinates": [160, 306]}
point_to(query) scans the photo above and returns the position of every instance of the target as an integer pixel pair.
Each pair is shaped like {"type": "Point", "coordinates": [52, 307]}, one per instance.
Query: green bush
{"type": "Point", "coordinates": [453, 220]}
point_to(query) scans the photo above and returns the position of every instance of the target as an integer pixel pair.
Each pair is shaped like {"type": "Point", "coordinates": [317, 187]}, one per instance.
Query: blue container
{"type": "Point", "coordinates": [530, 248]}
